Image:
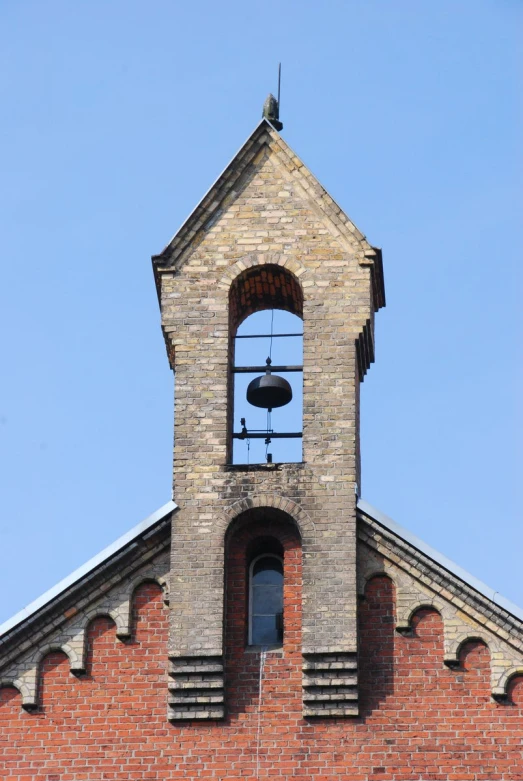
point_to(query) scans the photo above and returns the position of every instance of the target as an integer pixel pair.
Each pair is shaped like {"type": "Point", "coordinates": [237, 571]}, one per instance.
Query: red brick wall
{"type": "Point", "coordinates": [419, 720]}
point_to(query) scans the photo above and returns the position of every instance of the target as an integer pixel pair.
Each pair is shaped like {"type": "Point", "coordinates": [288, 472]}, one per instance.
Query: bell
{"type": "Point", "coordinates": [269, 391]}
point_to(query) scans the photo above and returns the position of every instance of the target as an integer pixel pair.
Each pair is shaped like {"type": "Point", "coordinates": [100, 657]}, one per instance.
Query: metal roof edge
{"type": "Point", "coordinates": [88, 567]}
{"type": "Point", "coordinates": [440, 559]}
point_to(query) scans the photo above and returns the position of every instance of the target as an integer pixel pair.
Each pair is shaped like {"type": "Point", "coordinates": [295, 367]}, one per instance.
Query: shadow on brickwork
{"type": "Point", "coordinates": [376, 649]}
{"type": "Point", "coordinates": [104, 648]}
{"type": "Point", "coordinates": [515, 691]}
{"type": "Point", "coordinates": [262, 530]}
{"type": "Point", "coordinates": [54, 683]}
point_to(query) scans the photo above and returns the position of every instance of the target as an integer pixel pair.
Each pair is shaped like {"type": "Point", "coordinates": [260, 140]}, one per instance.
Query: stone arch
{"type": "Point", "coordinates": [146, 577]}
{"type": "Point", "coordinates": [454, 645]}
{"type": "Point", "coordinates": [99, 612]}
{"type": "Point", "coordinates": [405, 616]}
{"type": "Point", "coordinates": [26, 688]}
{"type": "Point", "coordinates": [122, 615]}
{"type": "Point", "coordinates": [9, 683]}
{"type": "Point", "coordinates": [77, 648]}
{"type": "Point", "coordinates": [263, 286]}
{"type": "Point", "coordinates": [375, 569]}
{"type": "Point", "coordinates": [380, 571]}
{"type": "Point", "coordinates": [122, 620]}
{"type": "Point", "coordinates": [90, 617]}
{"type": "Point", "coordinates": [32, 677]}
{"type": "Point", "coordinates": [499, 692]}
{"type": "Point", "coordinates": [302, 520]}
{"type": "Point", "coordinates": [57, 647]}
{"type": "Point", "coordinates": [253, 259]}
{"type": "Point", "coordinates": [77, 661]}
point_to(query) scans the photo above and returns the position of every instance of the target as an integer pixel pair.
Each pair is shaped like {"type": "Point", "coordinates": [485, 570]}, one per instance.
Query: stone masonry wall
{"type": "Point", "coordinates": [270, 217]}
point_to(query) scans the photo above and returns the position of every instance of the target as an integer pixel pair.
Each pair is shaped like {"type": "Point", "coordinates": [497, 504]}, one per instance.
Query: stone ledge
{"type": "Point", "coordinates": [330, 685]}
{"type": "Point", "coordinates": [197, 688]}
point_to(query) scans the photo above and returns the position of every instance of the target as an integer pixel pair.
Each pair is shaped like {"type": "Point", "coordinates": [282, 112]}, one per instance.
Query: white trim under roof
{"type": "Point", "coordinates": [88, 567]}
{"type": "Point", "coordinates": [440, 559]}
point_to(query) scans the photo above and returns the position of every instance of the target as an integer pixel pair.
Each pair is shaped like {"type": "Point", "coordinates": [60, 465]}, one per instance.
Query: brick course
{"type": "Point", "coordinates": [430, 671]}
{"type": "Point", "coordinates": [288, 243]}
{"type": "Point", "coordinates": [418, 719]}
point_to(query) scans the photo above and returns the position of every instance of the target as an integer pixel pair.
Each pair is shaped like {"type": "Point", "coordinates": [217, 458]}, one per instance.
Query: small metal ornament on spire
{"type": "Point", "coordinates": [271, 107]}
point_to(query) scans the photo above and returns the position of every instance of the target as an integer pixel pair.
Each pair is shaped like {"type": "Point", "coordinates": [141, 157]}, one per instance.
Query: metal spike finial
{"type": "Point", "coordinates": [271, 107]}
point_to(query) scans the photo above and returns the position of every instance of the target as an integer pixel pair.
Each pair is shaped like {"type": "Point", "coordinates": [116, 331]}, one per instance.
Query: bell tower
{"type": "Point", "coordinates": [266, 236]}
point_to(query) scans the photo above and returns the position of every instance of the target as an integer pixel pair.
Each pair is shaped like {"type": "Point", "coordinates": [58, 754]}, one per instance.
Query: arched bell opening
{"type": "Point", "coordinates": [263, 287]}
{"type": "Point", "coordinates": [266, 367]}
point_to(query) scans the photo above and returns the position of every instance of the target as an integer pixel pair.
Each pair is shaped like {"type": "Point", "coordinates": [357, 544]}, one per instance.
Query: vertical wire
{"type": "Point", "coordinates": [268, 429]}
{"type": "Point", "coordinates": [260, 692]}
{"type": "Point", "coordinates": [268, 411]}
{"type": "Point", "coordinates": [270, 343]}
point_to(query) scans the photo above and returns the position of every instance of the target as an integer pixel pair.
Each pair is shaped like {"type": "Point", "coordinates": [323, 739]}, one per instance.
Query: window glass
{"type": "Point", "coordinates": [266, 601]}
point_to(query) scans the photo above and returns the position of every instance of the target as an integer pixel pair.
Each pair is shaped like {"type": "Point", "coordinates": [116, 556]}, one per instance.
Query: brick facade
{"type": "Point", "coordinates": [418, 719]}
{"type": "Point", "coordinates": [269, 234]}
{"type": "Point", "coordinates": [140, 669]}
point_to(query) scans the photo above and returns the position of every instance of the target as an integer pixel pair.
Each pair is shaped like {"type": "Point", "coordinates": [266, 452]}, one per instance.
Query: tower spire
{"type": "Point", "coordinates": [271, 107]}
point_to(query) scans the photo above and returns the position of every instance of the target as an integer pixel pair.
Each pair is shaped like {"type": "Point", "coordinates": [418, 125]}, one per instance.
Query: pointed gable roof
{"type": "Point", "coordinates": [225, 188]}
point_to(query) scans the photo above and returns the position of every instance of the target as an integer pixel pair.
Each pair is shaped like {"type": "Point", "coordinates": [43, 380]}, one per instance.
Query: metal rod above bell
{"type": "Point", "coordinates": [269, 391]}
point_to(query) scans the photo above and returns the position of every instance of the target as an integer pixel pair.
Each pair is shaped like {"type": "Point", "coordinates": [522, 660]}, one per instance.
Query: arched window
{"type": "Point", "coordinates": [266, 600]}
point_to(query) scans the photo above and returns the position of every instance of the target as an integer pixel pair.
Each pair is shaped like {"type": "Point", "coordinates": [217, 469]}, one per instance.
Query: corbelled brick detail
{"type": "Point", "coordinates": [422, 584]}
{"type": "Point", "coordinates": [287, 245]}
{"type": "Point", "coordinates": [71, 637]}
{"type": "Point", "coordinates": [330, 682]}
{"type": "Point", "coordinates": [431, 674]}
{"type": "Point", "coordinates": [418, 719]}
{"type": "Point", "coordinates": [196, 691]}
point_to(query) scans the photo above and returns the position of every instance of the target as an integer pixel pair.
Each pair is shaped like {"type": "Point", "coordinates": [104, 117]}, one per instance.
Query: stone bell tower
{"type": "Point", "coordinates": [266, 235]}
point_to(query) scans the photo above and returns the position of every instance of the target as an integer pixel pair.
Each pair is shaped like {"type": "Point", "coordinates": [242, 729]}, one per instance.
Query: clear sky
{"type": "Point", "coordinates": [116, 118]}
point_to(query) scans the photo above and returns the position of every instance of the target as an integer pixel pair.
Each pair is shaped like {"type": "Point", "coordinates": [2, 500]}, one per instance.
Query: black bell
{"type": "Point", "coordinates": [269, 391]}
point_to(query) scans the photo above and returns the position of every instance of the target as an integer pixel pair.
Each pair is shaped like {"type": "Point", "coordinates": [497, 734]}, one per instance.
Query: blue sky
{"type": "Point", "coordinates": [116, 119]}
